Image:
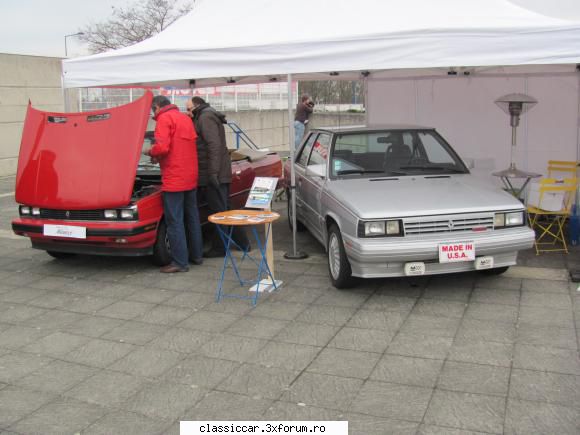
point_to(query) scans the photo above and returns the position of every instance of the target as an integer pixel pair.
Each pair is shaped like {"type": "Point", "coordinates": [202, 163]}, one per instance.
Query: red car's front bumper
{"type": "Point", "coordinates": [102, 238]}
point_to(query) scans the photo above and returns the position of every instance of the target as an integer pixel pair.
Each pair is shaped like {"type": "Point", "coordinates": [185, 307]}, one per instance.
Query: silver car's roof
{"type": "Point", "coordinates": [369, 128]}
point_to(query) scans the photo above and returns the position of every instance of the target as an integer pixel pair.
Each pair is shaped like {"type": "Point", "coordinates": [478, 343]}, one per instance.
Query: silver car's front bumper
{"type": "Point", "coordinates": [386, 257]}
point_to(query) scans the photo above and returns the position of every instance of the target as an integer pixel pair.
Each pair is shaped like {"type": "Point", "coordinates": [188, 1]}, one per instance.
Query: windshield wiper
{"type": "Point", "coordinates": [436, 168]}
{"type": "Point", "coordinates": [359, 171]}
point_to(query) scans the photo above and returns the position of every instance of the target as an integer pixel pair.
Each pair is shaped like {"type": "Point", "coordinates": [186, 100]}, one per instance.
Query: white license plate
{"type": "Point", "coordinates": [482, 263]}
{"type": "Point", "coordinates": [67, 231]}
{"type": "Point", "coordinates": [455, 252]}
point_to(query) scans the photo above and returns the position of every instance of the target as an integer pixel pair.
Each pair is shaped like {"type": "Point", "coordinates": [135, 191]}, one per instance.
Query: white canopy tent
{"type": "Point", "coordinates": [249, 40]}
{"type": "Point", "coordinates": [403, 50]}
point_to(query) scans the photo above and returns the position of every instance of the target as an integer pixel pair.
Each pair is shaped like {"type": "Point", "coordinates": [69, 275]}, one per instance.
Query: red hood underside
{"type": "Point", "coordinates": [81, 160]}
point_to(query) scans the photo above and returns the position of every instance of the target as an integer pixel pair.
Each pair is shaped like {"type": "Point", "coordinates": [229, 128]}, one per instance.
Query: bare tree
{"type": "Point", "coordinates": [132, 24]}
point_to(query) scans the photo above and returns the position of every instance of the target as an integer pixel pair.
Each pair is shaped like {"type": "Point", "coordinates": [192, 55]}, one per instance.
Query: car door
{"type": "Point", "coordinates": [300, 172]}
{"type": "Point", "coordinates": [314, 180]}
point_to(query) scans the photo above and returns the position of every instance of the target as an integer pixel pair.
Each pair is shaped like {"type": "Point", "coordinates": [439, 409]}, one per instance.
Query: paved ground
{"type": "Point", "coordinates": [110, 346]}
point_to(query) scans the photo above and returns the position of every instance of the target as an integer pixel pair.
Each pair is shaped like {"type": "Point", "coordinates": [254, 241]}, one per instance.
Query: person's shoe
{"type": "Point", "coordinates": [214, 253]}
{"type": "Point", "coordinates": [196, 261]}
{"type": "Point", "coordinates": [171, 268]}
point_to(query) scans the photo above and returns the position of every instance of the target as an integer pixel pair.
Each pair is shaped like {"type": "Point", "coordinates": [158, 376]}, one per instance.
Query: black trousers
{"type": "Point", "coordinates": [217, 201]}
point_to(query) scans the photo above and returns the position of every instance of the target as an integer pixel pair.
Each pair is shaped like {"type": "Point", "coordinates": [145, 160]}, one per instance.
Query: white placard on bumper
{"type": "Point", "coordinates": [69, 231]}
{"type": "Point", "coordinates": [458, 251]}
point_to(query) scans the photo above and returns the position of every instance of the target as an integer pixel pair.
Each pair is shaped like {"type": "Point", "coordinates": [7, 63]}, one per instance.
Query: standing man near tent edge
{"type": "Point", "coordinates": [303, 111]}
{"type": "Point", "coordinates": [214, 167]}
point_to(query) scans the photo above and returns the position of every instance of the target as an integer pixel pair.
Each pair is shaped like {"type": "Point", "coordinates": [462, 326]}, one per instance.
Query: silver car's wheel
{"type": "Point", "coordinates": [338, 265]}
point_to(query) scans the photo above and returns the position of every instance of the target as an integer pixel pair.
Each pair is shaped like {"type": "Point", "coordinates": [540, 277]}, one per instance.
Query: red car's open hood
{"type": "Point", "coordinates": [81, 160]}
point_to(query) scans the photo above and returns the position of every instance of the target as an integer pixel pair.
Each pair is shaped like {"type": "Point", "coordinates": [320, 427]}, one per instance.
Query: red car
{"type": "Point", "coordinates": [84, 187]}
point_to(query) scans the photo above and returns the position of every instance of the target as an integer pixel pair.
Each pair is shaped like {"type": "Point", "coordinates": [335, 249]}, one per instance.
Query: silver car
{"type": "Point", "coordinates": [398, 201]}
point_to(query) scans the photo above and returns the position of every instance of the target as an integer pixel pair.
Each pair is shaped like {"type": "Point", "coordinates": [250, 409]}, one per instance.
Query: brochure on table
{"type": "Point", "coordinates": [262, 192]}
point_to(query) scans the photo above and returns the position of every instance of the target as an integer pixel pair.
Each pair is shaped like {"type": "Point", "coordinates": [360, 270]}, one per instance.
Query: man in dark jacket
{"type": "Point", "coordinates": [176, 152]}
{"type": "Point", "coordinates": [215, 166]}
{"type": "Point", "coordinates": [303, 111]}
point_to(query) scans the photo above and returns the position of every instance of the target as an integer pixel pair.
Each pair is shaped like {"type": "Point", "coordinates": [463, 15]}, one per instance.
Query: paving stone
{"type": "Point", "coordinates": [438, 308]}
{"type": "Point", "coordinates": [56, 377]}
{"type": "Point", "coordinates": [347, 299]}
{"type": "Point", "coordinates": [54, 319]}
{"type": "Point", "coordinates": [147, 361]}
{"type": "Point", "coordinates": [60, 417]}
{"type": "Point", "coordinates": [218, 405]}
{"type": "Point", "coordinates": [474, 378]}
{"type": "Point", "coordinates": [347, 363]}
{"type": "Point", "coordinates": [51, 282]}
{"type": "Point", "coordinates": [326, 391]}
{"type": "Point", "coordinates": [278, 310]}
{"type": "Point", "coordinates": [153, 295]}
{"type": "Point", "coordinates": [92, 326]}
{"type": "Point", "coordinates": [106, 388]}
{"type": "Point", "coordinates": [370, 425]}
{"type": "Point", "coordinates": [165, 315]}
{"type": "Point", "coordinates": [448, 293]}
{"type": "Point", "coordinates": [285, 355]}
{"type": "Point", "coordinates": [232, 348]}
{"type": "Point", "coordinates": [296, 294]}
{"type": "Point", "coordinates": [15, 365]}
{"type": "Point", "coordinates": [182, 340]}
{"type": "Point", "coordinates": [547, 300]}
{"type": "Point", "coordinates": [545, 358]}
{"type": "Point", "coordinates": [259, 381]}
{"type": "Point", "coordinates": [285, 411]}
{"type": "Point", "coordinates": [429, 429]}
{"type": "Point", "coordinates": [135, 332]}
{"type": "Point", "coordinates": [545, 286]}
{"type": "Point", "coordinates": [383, 399]}
{"type": "Point", "coordinates": [326, 315]}
{"type": "Point", "coordinates": [209, 321]}
{"type": "Point", "coordinates": [17, 402]}
{"type": "Point", "coordinates": [546, 336]}
{"type": "Point", "coordinates": [127, 423]}
{"type": "Point", "coordinates": [166, 400]}
{"type": "Point", "coordinates": [307, 333]}
{"type": "Point", "coordinates": [499, 282]}
{"type": "Point", "coordinates": [546, 387]}
{"type": "Point", "coordinates": [51, 299]}
{"type": "Point", "coordinates": [21, 295]}
{"type": "Point", "coordinates": [418, 372]}
{"type": "Point", "coordinates": [536, 418]}
{"type": "Point", "coordinates": [386, 321]}
{"type": "Point", "coordinates": [99, 353]}
{"type": "Point", "coordinates": [190, 300]}
{"type": "Point", "coordinates": [482, 330]}
{"type": "Point", "coordinates": [87, 304]}
{"type": "Point", "coordinates": [365, 340]}
{"type": "Point", "coordinates": [15, 337]}
{"type": "Point", "coordinates": [21, 313]}
{"type": "Point", "coordinates": [258, 327]}
{"type": "Point", "coordinates": [492, 312]}
{"type": "Point", "coordinates": [482, 352]}
{"type": "Point", "coordinates": [546, 317]}
{"type": "Point", "coordinates": [57, 344]}
{"type": "Point", "coordinates": [119, 291]}
{"type": "Point", "coordinates": [399, 304]}
{"type": "Point", "coordinates": [467, 411]}
{"type": "Point", "coordinates": [200, 371]}
{"type": "Point", "coordinates": [126, 310]}
{"type": "Point", "coordinates": [496, 296]}
{"type": "Point", "coordinates": [420, 346]}
{"type": "Point", "coordinates": [417, 324]}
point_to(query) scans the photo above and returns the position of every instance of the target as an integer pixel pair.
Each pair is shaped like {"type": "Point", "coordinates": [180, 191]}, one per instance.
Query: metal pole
{"type": "Point", "coordinates": [295, 254]}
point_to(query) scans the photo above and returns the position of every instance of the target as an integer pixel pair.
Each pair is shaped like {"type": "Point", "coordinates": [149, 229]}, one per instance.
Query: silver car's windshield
{"type": "Point", "coordinates": [393, 152]}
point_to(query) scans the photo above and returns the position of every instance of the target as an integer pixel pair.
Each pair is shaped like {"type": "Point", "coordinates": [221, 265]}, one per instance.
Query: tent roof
{"type": "Point", "coordinates": [223, 40]}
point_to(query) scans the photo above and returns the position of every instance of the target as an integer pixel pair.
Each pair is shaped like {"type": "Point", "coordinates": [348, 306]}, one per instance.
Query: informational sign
{"type": "Point", "coordinates": [455, 252]}
{"type": "Point", "coordinates": [262, 192]}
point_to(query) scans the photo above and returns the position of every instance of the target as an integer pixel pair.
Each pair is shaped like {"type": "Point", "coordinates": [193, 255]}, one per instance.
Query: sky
{"type": "Point", "coordinates": [38, 27]}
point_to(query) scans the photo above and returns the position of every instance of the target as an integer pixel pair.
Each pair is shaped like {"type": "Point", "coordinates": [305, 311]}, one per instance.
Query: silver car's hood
{"type": "Point", "coordinates": [419, 196]}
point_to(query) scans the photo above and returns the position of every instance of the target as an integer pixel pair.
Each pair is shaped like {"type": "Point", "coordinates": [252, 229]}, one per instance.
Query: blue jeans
{"type": "Point", "coordinates": [298, 133]}
{"type": "Point", "coordinates": [176, 205]}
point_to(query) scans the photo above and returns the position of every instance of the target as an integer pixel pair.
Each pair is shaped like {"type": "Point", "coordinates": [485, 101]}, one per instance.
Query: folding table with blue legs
{"type": "Point", "coordinates": [225, 223]}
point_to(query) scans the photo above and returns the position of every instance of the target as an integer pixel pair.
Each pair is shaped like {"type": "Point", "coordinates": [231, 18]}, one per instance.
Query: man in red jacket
{"type": "Point", "coordinates": [176, 152]}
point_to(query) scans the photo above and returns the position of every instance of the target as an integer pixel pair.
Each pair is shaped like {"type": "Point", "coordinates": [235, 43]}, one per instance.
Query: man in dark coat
{"type": "Point", "coordinates": [215, 166]}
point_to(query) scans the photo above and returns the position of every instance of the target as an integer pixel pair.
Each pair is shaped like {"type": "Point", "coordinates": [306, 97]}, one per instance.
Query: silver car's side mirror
{"type": "Point", "coordinates": [316, 171]}
{"type": "Point", "coordinates": [470, 163]}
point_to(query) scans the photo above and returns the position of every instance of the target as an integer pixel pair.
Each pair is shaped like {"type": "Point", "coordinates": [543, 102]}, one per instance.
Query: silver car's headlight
{"type": "Point", "coordinates": [380, 228]}
{"type": "Point", "coordinates": [510, 219]}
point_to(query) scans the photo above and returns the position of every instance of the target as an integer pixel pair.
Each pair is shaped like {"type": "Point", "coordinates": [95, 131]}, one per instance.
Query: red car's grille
{"type": "Point", "coordinates": [72, 215]}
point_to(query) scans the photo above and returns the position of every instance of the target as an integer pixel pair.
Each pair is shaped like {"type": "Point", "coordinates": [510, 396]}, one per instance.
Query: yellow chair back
{"type": "Point", "coordinates": [565, 166]}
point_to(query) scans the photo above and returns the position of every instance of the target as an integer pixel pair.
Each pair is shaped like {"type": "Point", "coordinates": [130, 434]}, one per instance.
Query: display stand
{"type": "Point", "coordinates": [225, 223]}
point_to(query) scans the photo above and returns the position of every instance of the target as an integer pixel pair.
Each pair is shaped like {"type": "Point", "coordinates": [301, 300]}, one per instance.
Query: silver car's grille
{"type": "Point", "coordinates": [448, 224]}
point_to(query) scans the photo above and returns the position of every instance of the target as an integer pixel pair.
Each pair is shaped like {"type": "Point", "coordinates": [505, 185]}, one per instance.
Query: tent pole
{"type": "Point", "coordinates": [295, 254]}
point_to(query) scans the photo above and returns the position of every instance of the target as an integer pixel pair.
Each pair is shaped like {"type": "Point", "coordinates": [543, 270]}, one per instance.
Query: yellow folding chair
{"type": "Point", "coordinates": [562, 166]}
{"type": "Point", "coordinates": [548, 216]}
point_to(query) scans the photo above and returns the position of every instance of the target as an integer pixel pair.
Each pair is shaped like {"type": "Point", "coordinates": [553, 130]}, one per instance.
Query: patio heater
{"type": "Point", "coordinates": [514, 105]}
